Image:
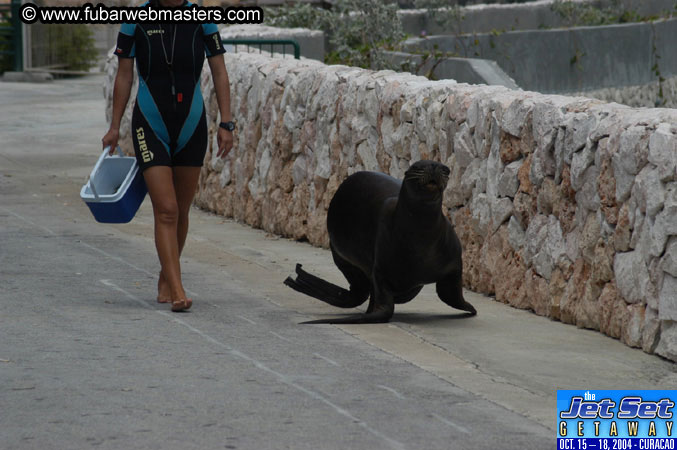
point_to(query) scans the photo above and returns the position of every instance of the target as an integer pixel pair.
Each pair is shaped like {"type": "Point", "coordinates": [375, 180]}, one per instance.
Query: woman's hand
{"type": "Point", "coordinates": [224, 139]}
{"type": "Point", "coordinates": [111, 139]}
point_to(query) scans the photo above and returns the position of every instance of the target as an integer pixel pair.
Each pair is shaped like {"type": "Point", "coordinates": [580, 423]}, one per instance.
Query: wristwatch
{"type": "Point", "coordinates": [230, 126]}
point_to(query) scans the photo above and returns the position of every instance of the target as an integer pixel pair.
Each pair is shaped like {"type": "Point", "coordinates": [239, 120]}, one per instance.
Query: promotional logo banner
{"type": "Point", "coordinates": [616, 419]}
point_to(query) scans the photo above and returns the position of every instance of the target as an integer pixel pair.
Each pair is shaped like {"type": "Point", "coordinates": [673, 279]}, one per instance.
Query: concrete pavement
{"type": "Point", "coordinates": [88, 359]}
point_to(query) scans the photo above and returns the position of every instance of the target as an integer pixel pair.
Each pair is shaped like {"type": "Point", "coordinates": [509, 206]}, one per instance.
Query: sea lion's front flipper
{"type": "Point", "coordinates": [323, 290]}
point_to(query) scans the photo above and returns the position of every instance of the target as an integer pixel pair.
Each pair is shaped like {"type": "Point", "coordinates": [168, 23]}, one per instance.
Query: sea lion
{"type": "Point", "coordinates": [389, 238]}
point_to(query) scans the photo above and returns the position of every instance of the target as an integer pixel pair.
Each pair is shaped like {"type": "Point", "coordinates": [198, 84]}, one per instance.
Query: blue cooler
{"type": "Point", "coordinates": [115, 189]}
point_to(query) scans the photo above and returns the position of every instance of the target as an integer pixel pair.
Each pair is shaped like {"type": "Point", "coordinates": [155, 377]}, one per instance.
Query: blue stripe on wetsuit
{"type": "Point", "coordinates": [152, 114]}
{"type": "Point", "coordinates": [192, 120]}
{"type": "Point", "coordinates": [128, 28]}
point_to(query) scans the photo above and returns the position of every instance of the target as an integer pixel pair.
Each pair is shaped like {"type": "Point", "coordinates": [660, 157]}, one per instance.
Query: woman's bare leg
{"type": "Point", "coordinates": [185, 185]}
{"type": "Point", "coordinates": [160, 183]}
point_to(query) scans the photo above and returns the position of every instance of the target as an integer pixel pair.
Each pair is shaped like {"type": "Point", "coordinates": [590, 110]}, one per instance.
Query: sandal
{"type": "Point", "coordinates": [181, 305]}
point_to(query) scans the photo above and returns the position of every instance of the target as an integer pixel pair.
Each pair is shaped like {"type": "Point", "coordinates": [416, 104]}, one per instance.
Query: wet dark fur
{"type": "Point", "coordinates": [389, 238]}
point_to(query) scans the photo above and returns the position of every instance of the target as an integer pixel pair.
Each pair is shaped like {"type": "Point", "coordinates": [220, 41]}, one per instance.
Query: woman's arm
{"type": "Point", "coordinates": [222, 88]}
{"type": "Point", "coordinates": [121, 92]}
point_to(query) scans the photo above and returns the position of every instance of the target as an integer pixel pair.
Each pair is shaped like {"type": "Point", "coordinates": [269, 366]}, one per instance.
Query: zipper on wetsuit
{"type": "Point", "coordinates": [173, 81]}
{"type": "Point", "coordinates": [170, 63]}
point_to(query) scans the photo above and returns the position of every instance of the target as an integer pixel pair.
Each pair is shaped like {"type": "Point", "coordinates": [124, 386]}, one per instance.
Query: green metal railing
{"type": "Point", "coordinates": [270, 44]}
{"type": "Point", "coordinates": [11, 35]}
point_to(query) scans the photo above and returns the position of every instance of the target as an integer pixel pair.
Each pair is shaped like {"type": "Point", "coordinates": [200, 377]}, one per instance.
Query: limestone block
{"type": "Point", "coordinates": [609, 117]}
{"type": "Point", "coordinates": [542, 165]}
{"type": "Point", "coordinates": [367, 154]}
{"type": "Point", "coordinates": [632, 276]}
{"type": "Point", "coordinates": [648, 191]}
{"type": "Point", "coordinates": [579, 164]}
{"type": "Point", "coordinates": [577, 289]}
{"type": "Point", "coordinates": [667, 299]}
{"type": "Point", "coordinates": [602, 263]}
{"type": "Point", "coordinates": [548, 116]}
{"type": "Point", "coordinates": [589, 236]}
{"type": "Point", "coordinates": [606, 188]}
{"type": "Point", "coordinates": [263, 167]}
{"type": "Point", "coordinates": [536, 233]}
{"type": "Point", "coordinates": [300, 170]}
{"type": "Point", "coordinates": [562, 154]}
{"type": "Point", "coordinates": [407, 111]}
{"type": "Point", "coordinates": [612, 311]}
{"type": "Point", "coordinates": [652, 330]}
{"type": "Point", "coordinates": [417, 150]}
{"type": "Point", "coordinates": [225, 178]}
{"type": "Point", "coordinates": [571, 244]}
{"type": "Point", "coordinates": [663, 151]}
{"type": "Point", "coordinates": [651, 239]}
{"type": "Point", "coordinates": [667, 346]}
{"type": "Point", "coordinates": [481, 212]}
{"type": "Point", "coordinates": [508, 183]}
{"type": "Point", "coordinates": [669, 260]}
{"type": "Point", "coordinates": [474, 111]}
{"type": "Point", "coordinates": [464, 148]}
{"type": "Point", "coordinates": [633, 331]}
{"type": "Point", "coordinates": [552, 250]}
{"type": "Point", "coordinates": [578, 127]}
{"type": "Point", "coordinates": [472, 177]}
{"type": "Point", "coordinates": [443, 142]}
{"type": "Point", "coordinates": [656, 276]}
{"type": "Point", "coordinates": [624, 181]}
{"type": "Point", "coordinates": [633, 151]}
{"type": "Point", "coordinates": [494, 171]}
{"type": "Point", "coordinates": [370, 107]}
{"type": "Point", "coordinates": [402, 140]}
{"type": "Point", "coordinates": [323, 168]}
{"type": "Point", "coordinates": [588, 195]}
{"type": "Point", "coordinates": [501, 210]}
{"type": "Point", "coordinates": [453, 194]}
{"type": "Point", "coordinates": [666, 220]}
{"type": "Point", "coordinates": [516, 234]}
{"type": "Point", "coordinates": [516, 116]}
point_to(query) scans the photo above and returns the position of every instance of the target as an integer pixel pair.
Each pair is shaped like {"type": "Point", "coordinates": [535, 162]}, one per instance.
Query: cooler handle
{"type": "Point", "coordinates": [91, 185]}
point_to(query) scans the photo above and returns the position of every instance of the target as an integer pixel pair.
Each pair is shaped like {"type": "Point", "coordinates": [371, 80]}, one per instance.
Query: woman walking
{"type": "Point", "coordinates": [169, 128]}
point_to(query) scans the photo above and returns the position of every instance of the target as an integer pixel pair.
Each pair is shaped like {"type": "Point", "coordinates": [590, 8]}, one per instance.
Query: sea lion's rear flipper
{"type": "Point", "coordinates": [323, 290]}
{"type": "Point", "coordinates": [450, 291]}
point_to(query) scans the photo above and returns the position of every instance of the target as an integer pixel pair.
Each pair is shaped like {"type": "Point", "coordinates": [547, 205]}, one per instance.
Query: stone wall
{"type": "Point", "coordinates": [565, 206]}
{"type": "Point", "coordinates": [655, 94]}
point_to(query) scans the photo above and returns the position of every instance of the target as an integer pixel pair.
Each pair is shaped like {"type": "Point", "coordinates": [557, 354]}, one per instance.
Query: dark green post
{"type": "Point", "coordinates": [17, 37]}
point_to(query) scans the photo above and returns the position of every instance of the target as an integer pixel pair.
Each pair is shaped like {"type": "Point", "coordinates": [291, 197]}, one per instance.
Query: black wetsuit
{"type": "Point", "coordinates": [168, 124]}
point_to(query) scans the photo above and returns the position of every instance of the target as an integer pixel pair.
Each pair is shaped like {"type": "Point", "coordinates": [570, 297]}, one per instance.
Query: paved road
{"type": "Point", "coordinates": [90, 360]}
